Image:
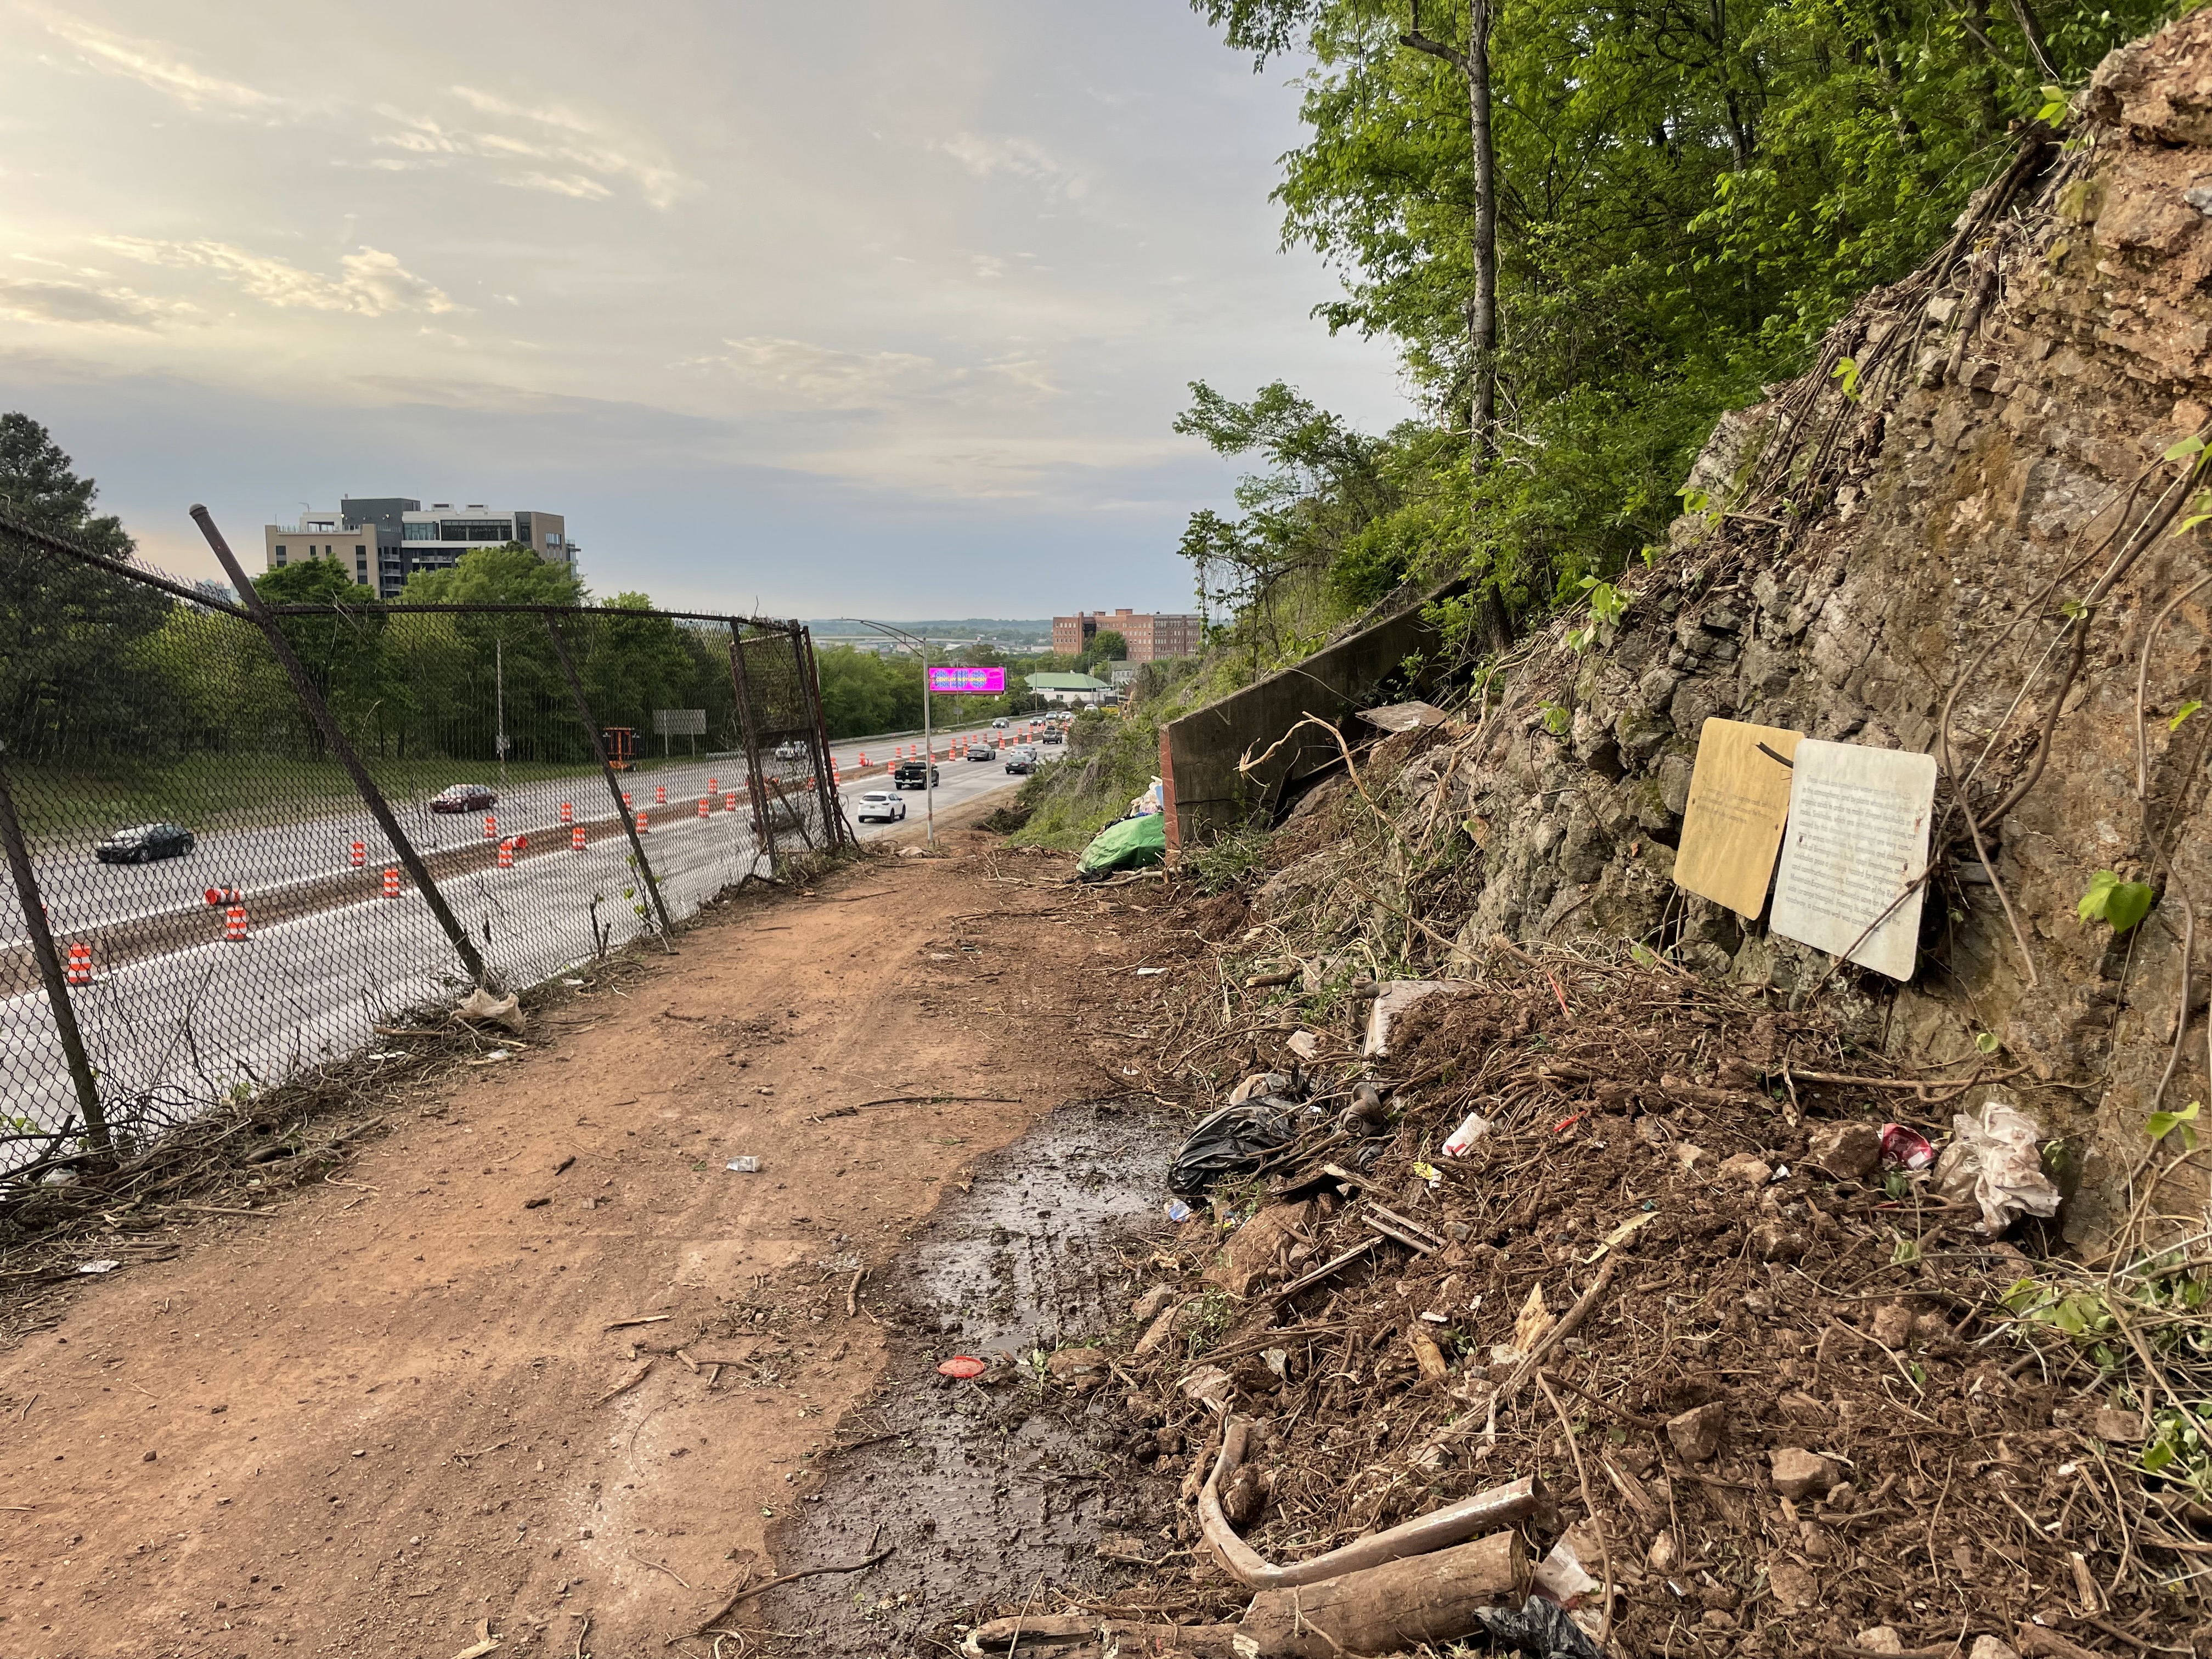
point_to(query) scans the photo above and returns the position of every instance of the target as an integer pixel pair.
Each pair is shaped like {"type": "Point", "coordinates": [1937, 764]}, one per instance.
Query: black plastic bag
{"type": "Point", "coordinates": [1234, 1141]}
{"type": "Point", "coordinates": [1539, 1629]}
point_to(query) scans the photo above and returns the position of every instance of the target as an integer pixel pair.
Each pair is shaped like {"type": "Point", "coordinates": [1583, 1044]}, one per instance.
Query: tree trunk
{"type": "Point", "coordinates": [1482, 322]}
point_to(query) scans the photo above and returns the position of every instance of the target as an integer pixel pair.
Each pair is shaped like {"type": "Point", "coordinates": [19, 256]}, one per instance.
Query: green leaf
{"type": "Point", "coordinates": [1987, 1042]}
{"type": "Point", "coordinates": [1846, 374]}
{"type": "Point", "coordinates": [2156, 1456]}
{"type": "Point", "coordinates": [2183, 713]}
{"type": "Point", "coordinates": [2109, 899]}
{"type": "Point", "coordinates": [1907, 1253]}
{"type": "Point", "coordinates": [2182, 448]}
{"type": "Point", "coordinates": [2054, 107]}
{"type": "Point", "coordinates": [2160, 1125]}
{"type": "Point", "coordinates": [2200, 509]}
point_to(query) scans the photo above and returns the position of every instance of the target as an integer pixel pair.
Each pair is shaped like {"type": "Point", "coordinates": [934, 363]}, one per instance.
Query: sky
{"type": "Point", "coordinates": [804, 310]}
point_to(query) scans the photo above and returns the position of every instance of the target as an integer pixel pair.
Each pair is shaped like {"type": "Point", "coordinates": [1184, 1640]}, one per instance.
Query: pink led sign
{"type": "Point", "coordinates": [977, 682]}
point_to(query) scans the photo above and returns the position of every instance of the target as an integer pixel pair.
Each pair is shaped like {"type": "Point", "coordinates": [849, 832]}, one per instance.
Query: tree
{"type": "Point", "coordinates": [342, 653]}
{"type": "Point", "coordinates": [490, 675]}
{"type": "Point", "coordinates": [72, 664]}
{"type": "Point", "coordinates": [1107, 645]}
{"type": "Point", "coordinates": [38, 486]}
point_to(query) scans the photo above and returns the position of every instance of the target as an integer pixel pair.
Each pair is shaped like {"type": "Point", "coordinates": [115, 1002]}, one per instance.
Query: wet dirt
{"type": "Point", "coordinates": [983, 1491]}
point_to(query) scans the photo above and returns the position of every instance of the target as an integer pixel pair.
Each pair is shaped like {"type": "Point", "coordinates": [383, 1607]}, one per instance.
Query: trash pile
{"type": "Point", "coordinates": [1594, 1308]}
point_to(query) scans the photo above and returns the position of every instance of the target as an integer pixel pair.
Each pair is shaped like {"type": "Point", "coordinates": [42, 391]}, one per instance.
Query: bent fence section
{"type": "Point", "coordinates": [241, 838]}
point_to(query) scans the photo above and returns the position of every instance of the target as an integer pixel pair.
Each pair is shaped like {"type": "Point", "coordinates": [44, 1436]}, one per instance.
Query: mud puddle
{"type": "Point", "coordinates": [986, 1491]}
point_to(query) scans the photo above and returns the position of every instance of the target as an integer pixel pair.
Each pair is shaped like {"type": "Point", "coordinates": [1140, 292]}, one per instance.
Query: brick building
{"type": "Point", "coordinates": [1152, 635]}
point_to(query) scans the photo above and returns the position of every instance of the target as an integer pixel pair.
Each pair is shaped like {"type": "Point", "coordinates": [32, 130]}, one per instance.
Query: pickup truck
{"type": "Point", "coordinates": [915, 774]}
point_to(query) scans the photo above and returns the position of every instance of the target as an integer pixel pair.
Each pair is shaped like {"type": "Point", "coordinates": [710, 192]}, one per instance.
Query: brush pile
{"type": "Point", "coordinates": [1784, 1397]}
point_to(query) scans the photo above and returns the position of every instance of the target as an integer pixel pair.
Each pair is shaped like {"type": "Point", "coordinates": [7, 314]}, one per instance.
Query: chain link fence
{"type": "Point", "coordinates": [241, 838]}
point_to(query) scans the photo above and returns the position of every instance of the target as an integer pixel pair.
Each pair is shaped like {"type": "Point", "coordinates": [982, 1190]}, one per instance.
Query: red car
{"type": "Point", "coordinates": [463, 798]}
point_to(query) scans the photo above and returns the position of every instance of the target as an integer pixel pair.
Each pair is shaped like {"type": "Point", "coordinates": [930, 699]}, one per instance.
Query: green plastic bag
{"type": "Point", "coordinates": [1130, 844]}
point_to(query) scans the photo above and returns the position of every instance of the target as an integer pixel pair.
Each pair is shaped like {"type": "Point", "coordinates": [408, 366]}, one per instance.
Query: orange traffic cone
{"type": "Point", "coordinates": [391, 884]}
{"type": "Point", "coordinates": [576, 839]}
{"type": "Point", "coordinates": [80, 965]}
{"type": "Point", "coordinates": [234, 924]}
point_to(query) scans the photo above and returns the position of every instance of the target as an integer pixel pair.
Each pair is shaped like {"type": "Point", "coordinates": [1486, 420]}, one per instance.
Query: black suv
{"type": "Point", "coordinates": [910, 776]}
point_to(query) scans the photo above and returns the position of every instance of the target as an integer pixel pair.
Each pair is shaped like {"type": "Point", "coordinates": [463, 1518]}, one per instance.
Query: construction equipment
{"type": "Point", "coordinates": [622, 747]}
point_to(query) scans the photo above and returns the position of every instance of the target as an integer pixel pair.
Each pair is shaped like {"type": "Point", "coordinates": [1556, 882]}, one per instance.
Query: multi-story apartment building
{"type": "Point", "coordinates": [1152, 635]}
{"type": "Point", "coordinates": [382, 540]}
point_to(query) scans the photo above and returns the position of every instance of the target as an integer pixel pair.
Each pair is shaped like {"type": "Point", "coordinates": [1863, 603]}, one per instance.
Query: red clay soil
{"type": "Point", "coordinates": [407, 1401]}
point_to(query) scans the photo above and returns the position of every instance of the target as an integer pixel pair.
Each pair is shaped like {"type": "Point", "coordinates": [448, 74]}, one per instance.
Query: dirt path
{"type": "Point", "coordinates": [396, 1407]}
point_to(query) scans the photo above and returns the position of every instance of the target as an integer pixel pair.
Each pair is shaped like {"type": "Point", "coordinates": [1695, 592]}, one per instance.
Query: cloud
{"type": "Point", "coordinates": [825, 377]}
{"type": "Point", "coordinates": [153, 64]}
{"type": "Point", "coordinates": [580, 155]}
{"type": "Point", "coordinates": [30, 299]}
{"type": "Point", "coordinates": [375, 284]}
{"type": "Point", "coordinates": [587, 189]}
{"type": "Point", "coordinates": [1012, 156]}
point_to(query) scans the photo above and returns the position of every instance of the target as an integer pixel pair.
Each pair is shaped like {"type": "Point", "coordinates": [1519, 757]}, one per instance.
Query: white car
{"type": "Point", "coordinates": [793, 751]}
{"type": "Point", "coordinates": [881, 806]}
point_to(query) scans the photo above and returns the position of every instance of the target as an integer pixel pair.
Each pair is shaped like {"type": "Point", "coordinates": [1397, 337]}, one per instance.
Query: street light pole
{"type": "Point", "coordinates": [920, 646]}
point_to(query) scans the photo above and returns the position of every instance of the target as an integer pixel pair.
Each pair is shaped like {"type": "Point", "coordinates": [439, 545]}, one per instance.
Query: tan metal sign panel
{"type": "Point", "coordinates": [1739, 800]}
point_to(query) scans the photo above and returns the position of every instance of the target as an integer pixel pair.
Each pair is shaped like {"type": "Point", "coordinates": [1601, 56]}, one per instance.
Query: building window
{"type": "Point", "coordinates": [280, 555]}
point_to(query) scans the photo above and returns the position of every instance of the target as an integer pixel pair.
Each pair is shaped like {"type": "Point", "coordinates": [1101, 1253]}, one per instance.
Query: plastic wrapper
{"type": "Point", "coordinates": [1996, 1161]}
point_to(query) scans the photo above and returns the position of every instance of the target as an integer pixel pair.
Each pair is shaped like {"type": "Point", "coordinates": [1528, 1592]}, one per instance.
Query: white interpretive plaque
{"type": "Point", "coordinates": [1857, 835]}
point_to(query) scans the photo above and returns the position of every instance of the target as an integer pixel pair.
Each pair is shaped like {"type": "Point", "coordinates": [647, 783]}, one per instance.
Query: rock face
{"type": "Point", "coordinates": [1979, 547]}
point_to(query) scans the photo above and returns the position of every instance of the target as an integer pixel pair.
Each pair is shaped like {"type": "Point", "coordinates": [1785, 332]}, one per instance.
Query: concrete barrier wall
{"type": "Point", "coordinates": [1199, 753]}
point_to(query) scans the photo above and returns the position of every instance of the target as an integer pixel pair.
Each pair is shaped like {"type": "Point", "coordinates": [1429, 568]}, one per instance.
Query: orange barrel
{"type": "Point", "coordinates": [80, 965]}
{"type": "Point", "coordinates": [491, 828]}
{"type": "Point", "coordinates": [714, 786]}
{"type": "Point", "coordinates": [576, 839]}
{"type": "Point", "coordinates": [730, 801]}
{"type": "Point", "coordinates": [568, 811]}
{"type": "Point", "coordinates": [660, 794]}
{"type": "Point", "coordinates": [234, 924]}
{"type": "Point", "coordinates": [391, 884]}
{"type": "Point", "coordinates": [703, 808]}
{"type": "Point", "coordinates": [642, 826]}
{"type": "Point", "coordinates": [506, 855]}
{"type": "Point", "coordinates": [360, 854]}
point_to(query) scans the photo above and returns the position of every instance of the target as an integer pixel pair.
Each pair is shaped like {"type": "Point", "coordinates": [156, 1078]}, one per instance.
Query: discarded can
{"type": "Point", "coordinates": [964, 1366]}
{"type": "Point", "coordinates": [743, 1166]}
{"type": "Point", "coordinates": [1905, 1149]}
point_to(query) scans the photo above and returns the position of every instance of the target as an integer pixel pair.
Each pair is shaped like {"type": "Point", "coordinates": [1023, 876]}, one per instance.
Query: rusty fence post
{"type": "Point", "coordinates": [756, 774]}
{"type": "Point", "coordinates": [810, 679]}
{"type": "Point", "coordinates": [614, 784]}
{"type": "Point", "coordinates": [379, 808]}
{"type": "Point", "coordinates": [50, 971]}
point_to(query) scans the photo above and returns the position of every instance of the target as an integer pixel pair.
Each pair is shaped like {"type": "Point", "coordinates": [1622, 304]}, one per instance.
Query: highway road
{"type": "Point", "coordinates": [175, 1030]}
{"type": "Point", "coordinates": [82, 893]}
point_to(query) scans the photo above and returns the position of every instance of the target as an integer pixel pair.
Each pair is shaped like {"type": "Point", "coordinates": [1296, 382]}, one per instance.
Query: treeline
{"type": "Point", "coordinates": [1588, 229]}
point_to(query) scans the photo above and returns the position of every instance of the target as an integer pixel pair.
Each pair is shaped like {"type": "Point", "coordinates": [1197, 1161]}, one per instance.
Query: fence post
{"type": "Point", "coordinates": [50, 971]}
{"type": "Point", "coordinates": [379, 808]}
{"type": "Point", "coordinates": [833, 809]}
{"type": "Point", "coordinates": [614, 784]}
{"type": "Point", "coordinates": [753, 768]}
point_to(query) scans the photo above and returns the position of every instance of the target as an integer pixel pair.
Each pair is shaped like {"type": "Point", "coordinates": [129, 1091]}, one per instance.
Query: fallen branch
{"type": "Point", "coordinates": [746, 1593]}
